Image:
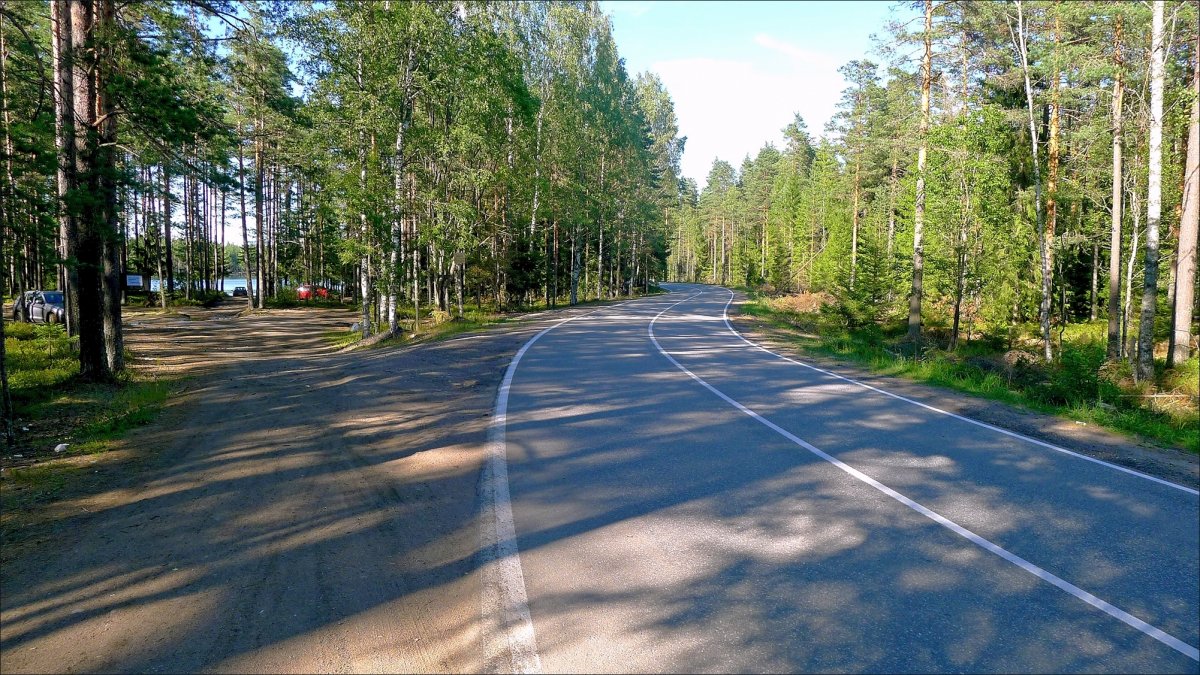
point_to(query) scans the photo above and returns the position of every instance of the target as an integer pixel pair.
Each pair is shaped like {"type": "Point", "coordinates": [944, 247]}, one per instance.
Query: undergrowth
{"type": "Point", "coordinates": [1078, 384]}
{"type": "Point", "coordinates": [52, 406]}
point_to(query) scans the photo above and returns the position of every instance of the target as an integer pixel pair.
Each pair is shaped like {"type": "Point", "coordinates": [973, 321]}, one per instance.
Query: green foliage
{"type": "Point", "coordinates": [1079, 385]}
{"type": "Point", "coordinates": [862, 294]}
{"type": "Point", "coordinates": [40, 359]}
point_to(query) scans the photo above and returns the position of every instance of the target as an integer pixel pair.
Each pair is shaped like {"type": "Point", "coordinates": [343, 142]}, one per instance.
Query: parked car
{"type": "Point", "coordinates": [308, 292]}
{"type": "Point", "coordinates": [240, 292]}
{"type": "Point", "coordinates": [40, 307]}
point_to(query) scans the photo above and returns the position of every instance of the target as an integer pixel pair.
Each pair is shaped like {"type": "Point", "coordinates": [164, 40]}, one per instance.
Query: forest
{"type": "Point", "coordinates": [1013, 176]}
{"type": "Point", "coordinates": [1005, 172]}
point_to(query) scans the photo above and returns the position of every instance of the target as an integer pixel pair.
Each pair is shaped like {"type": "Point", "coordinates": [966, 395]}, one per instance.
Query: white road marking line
{"type": "Point", "coordinates": [1115, 612]}
{"type": "Point", "coordinates": [985, 425]}
{"type": "Point", "coordinates": [510, 641]}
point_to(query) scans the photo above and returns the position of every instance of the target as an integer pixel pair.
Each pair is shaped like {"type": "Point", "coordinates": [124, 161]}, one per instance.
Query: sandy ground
{"type": "Point", "coordinates": [293, 510]}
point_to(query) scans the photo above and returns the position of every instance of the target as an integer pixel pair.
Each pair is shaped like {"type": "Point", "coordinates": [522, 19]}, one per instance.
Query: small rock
{"type": "Point", "coordinates": [61, 447]}
{"type": "Point", "coordinates": [354, 328]}
{"type": "Point", "coordinates": [24, 428]}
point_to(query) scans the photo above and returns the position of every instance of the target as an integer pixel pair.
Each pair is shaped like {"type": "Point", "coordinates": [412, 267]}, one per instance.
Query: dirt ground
{"type": "Point", "coordinates": [293, 510]}
{"type": "Point", "coordinates": [300, 510]}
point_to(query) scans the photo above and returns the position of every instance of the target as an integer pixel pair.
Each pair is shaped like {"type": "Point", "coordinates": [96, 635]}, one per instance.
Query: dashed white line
{"type": "Point", "coordinates": [1113, 611]}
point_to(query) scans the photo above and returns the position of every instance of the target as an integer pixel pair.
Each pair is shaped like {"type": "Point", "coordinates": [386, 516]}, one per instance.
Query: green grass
{"type": "Point", "coordinates": [340, 339]}
{"type": "Point", "coordinates": [439, 325]}
{"type": "Point", "coordinates": [56, 407]}
{"type": "Point", "coordinates": [1078, 385]}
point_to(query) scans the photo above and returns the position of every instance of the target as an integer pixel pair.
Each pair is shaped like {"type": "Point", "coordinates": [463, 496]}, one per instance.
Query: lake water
{"type": "Point", "coordinates": [230, 284]}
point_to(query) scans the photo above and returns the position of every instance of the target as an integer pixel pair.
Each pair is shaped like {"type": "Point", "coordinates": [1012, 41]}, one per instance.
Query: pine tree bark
{"type": "Point", "coordinates": [1114, 245]}
{"type": "Point", "coordinates": [1185, 276]}
{"type": "Point", "coordinates": [1145, 350]}
{"type": "Point", "coordinates": [106, 182]}
{"type": "Point", "coordinates": [87, 249]}
{"type": "Point", "coordinates": [167, 227]}
{"type": "Point", "coordinates": [1052, 155]}
{"type": "Point", "coordinates": [247, 266]}
{"type": "Point", "coordinates": [259, 216]}
{"type": "Point", "coordinates": [64, 127]}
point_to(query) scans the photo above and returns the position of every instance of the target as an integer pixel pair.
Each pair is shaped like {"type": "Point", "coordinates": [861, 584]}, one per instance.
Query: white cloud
{"type": "Point", "coordinates": [729, 108]}
{"type": "Point", "coordinates": [634, 8]}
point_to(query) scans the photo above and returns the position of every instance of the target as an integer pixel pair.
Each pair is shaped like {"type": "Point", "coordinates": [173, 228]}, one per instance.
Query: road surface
{"type": "Point", "coordinates": [686, 501]}
{"type": "Point", "coordinates": [303, 511]}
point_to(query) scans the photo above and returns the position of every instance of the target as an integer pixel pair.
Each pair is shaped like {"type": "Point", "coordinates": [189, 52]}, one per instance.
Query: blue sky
{"type": "Point", "coordinates": [739, 71]}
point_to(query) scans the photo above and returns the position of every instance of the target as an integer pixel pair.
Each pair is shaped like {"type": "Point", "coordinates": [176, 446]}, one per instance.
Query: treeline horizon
{"type": "Point", "coordinates": [1003, 161]}
{"type": "Point", "coordinates": [415, 152]}
{"type": "Point", "coordinates": [968, 181]}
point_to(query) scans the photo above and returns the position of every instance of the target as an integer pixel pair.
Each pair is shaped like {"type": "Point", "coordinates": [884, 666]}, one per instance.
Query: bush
{"type": "Point", "coordinates": [1073, 378]}
{"type": "Point", "coordinates": [438, 317]}
{"type": "Point", "coordinates": [285, 298]}
{"type": "Point", "coordinates": [861, 304]}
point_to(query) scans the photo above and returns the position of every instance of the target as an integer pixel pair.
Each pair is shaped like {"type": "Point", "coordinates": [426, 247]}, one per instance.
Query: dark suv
{"type": "Point", "coordinates": [40, 307]}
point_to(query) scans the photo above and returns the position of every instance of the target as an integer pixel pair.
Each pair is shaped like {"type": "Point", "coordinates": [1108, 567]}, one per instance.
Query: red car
{"type": "Point", "coordinates": [308, 292]}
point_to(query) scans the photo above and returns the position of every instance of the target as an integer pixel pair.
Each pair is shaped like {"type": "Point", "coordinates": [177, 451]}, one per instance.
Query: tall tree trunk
{"type": "Point", "coordinates": [405, 116]}
{"type": "Point", "coordinates": [158, 243]}
{"type": "Point", "coordinates": [106, 136]}
{"type": "Point", "coordinates": [6, 408]}
{"type": "Point", "coordinates": [1018, 34]}
{"type": "Point", "coordinates": [259, 216]}
{"type": "Point", "coordinates": [247, 266]}
{"type": "Point", "coordinates": [961, 260]}
{"type": "Point", "coordinates": [916, 295]}
{"type": "Point", "coordinates": [574, 266]}
{"type": "Point", "coordinates": [1127, 316]}
{"type": "Point", "coordinates": [88, 246]}
{"type": "Point", "coordinates": [1052, 155]}
{"type": "Point", "coordinates": [64, 140]}
{"type": "Point", "coordinates": [1114, 246]}
{"type": "Point", "coordinates": [893, 184]}
{"type": "Point", "coordinates": [1145, 360]}
{"type": "Point", "coordinates": [167, 226]}
{"type": "Point", "coordinates": [222, 258]}
{"type": "Point", "coordinates": [1185, 276]}
{"type": "Point", "coordinates": [189, 229]}
{"type": "Point", "coordinates": [854, 225]}
{"type": "Point", "coordinates": [1095, 280]}
{"type": "Point", "coordinates": [9, 195]}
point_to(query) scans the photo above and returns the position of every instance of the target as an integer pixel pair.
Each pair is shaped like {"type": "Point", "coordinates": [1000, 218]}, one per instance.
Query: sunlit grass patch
{"type": "Point", "coordinates": [51, 406]}
{"type": "Point", "coordinates": [1078, 385]}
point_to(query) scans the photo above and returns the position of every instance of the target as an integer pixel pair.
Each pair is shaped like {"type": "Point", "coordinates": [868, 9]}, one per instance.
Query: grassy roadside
{"type": "Point", "coordinates": [53, 408]}
{"type": "Point", "coordinates": [1078, 386]}
{"type": "Point", "coordinates": [439, 325]}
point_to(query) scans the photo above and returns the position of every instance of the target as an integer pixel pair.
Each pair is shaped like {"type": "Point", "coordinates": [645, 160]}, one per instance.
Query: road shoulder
{"type": "Point", "coordinates": [1086, 439]}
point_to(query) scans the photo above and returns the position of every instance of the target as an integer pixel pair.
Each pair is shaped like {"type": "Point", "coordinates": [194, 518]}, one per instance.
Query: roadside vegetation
{"type": "Point", "coordinates": [438, 324]}
{"type": "Point", "coordinates": [1000, 364]}
{"type": "Point", "coordinates": [1006, 201]}
{"type": "Point", "coordinates": [52, 406]}
{"type": "Point", "coordinates": [61, 424]}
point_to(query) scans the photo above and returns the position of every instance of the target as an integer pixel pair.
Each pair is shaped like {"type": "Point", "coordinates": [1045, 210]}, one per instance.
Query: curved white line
{"type": "Point", "coordinates": [985, 425]}
{"type": "Point", "coordinates": [509, 638]}
{"type": "Point", "coordinates": [1113, 611]}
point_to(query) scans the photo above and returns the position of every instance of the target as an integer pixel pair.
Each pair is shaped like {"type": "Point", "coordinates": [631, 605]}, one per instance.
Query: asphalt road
{"type": "Point", "coordinates": [684, 501]}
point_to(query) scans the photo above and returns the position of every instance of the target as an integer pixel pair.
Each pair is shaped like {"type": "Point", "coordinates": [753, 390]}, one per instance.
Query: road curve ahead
{"type": "Point", "coordinates": [685, 501]}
